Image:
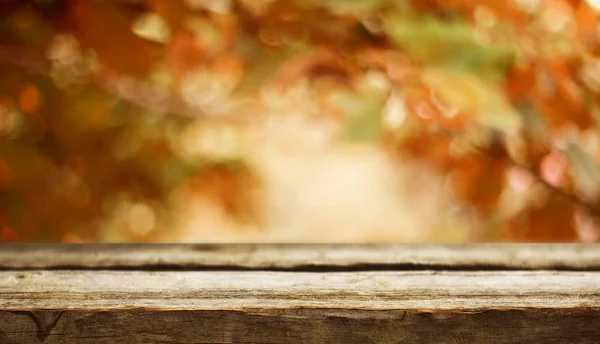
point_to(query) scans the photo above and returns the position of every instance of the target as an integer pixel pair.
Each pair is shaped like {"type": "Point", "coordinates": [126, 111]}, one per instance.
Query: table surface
{"type": "Point", "coordinates": [253, 293]}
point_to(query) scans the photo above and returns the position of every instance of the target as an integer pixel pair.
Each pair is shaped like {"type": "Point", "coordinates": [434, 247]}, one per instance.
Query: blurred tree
{"type": "Point", "coordinates": [113, 111]}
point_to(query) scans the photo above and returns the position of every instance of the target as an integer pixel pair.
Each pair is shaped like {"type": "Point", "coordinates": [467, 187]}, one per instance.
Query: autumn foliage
{"type": "Point", "coordinates": [126, 120]}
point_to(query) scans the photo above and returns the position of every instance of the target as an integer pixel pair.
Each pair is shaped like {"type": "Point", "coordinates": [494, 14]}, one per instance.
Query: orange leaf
{"type": "Point", "coordinates": [30, 99]}
{"type": "Point", "coordinates": [229, 65]}
{"type": "Point", "coordinates": [480, 180]}
{"type": "Point", "coordinates": [563, 104]}
{"type": "Point", "coordinates": [553, 222]}
{"type": "Point", "coordinates": [562, 76]}
{"type": "Point", "coordinates": [519, 82]}
{"type": "Point", "coordinates": [231, 189]}
{"type": "Point", "coordinates": [559, 113]}
{"type": "Point", "coordinates": [7, 233]}
{"type": "Point", "coordinates": [184, 54]}
{"type": "Point", "coordinates": [433, 149]}
{"type": "Point", "coordinates": [586, 18]}
{"type": "Point", "coordinates": [105, 27]}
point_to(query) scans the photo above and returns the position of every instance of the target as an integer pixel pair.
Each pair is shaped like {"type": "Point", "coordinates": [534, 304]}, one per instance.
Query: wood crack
{"type": "Point", "coordinates": [44, 321]}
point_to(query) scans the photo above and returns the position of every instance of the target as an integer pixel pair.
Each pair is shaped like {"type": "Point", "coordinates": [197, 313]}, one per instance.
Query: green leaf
{"type": "Point", "coordinates": [353, 6]}
{"type": "Point", "coordinates": [364, 123]}
{"type": "Point", "coordinates": [447, 44]}
{"type": "Point", "coordinates": [267, 67]}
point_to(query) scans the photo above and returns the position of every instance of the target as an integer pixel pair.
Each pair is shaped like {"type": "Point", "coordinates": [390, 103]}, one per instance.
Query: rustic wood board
{"type": "Point", "coordinates": [298, 294]}
{"type": "Point", "coordinates": [373, 290]}
{"type": "Point", "coordinates": [299, 326]}
{"type": "Point", "coordinates": [299, 307]}
{"type": "Point", "coordinates": [304, 256]}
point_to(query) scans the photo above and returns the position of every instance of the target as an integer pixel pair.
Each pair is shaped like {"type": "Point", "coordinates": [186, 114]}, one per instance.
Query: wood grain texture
{"type": "Point", "coordinates": [299, 294]}
{"type": "Point", "coordinates": [297, 257]}
{"type": "Point", "coordinates": [64, 306]}
{"type": "Point", "coordinates": [299, 326]}
{"type": "Point", "coordinates": [375, 290]}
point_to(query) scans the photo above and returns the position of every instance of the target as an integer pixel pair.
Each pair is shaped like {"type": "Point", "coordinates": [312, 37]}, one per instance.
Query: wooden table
{"type": "Point", "coordinates": [481, 293]}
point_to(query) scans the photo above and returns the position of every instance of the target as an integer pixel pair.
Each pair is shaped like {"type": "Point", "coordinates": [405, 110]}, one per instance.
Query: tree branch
{"type": "Point", "coordinates": [590, 208]}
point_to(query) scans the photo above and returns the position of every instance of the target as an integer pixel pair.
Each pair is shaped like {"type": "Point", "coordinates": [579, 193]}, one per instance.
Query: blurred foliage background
{"type": "Point", "coordinates": [299, 120]}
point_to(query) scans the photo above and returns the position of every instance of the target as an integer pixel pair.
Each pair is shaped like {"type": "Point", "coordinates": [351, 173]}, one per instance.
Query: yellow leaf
{"type": "Point", "coordinates": [468, 94]}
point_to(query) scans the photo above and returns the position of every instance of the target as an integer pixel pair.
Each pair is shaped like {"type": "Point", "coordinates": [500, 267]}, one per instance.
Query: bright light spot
{"type": "Point", "coordinates": [395, 112]}
{"type": "Point", "coordinates": [213, 142]}
{"type": "Point", "coordinates": [482, 37]}
{"type": "Point", "coordinates": [595, 4]}
{"type": "Point", "coordinates": [553, 168]}
{"type": "Point", "coordinates": [557, 18]}
{"type": "Point", "coordinates": [586, 227]}
{"type": "Point", "coordinates": [141, 218]}
{"type": "Point", "coordinates": [565, 135]}
{"type": "Point", "coordinates": [69, 65]}
{"type": "Point", "coordinates": [359, 189]}
{"type": "Point", "coordinates": [8, 120]}
{"type": "Point", "coordinates": [374, 81]}
{"type": "Point", "coordinates": [590, 74]}
{"type": "Point", "coordinates": [519, 179]}
{"type": "Point", "coordinates": [424, 111]}
{"type": "Point", "coordinates": [484, 16]}
{"type": "Point", "coordinates": [64, 50]}
{"type": "Point", "coordinates": [447, 110]}
{"type": "Point", "coordinates": [205, 32]}
{"type": "Point", "coordinates": [203, 88]}
{"type": "Point", "coordinates": [152, 27]}
{"type": "Point", "coordinates": [528, 6]}
{"type": "Point", "coordinates": [30, 99]}
{"type": "Point", "coordinates": [217, 6]}
{"type": "Point", "coordinates": [373, 23]}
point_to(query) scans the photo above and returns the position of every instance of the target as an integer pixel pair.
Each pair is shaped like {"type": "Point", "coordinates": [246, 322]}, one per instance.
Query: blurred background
{"type": "Point", "coordinates": [299, 120]}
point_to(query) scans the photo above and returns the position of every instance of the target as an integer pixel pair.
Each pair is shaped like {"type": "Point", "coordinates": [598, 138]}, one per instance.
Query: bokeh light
{"type": "Point", "coordinates": [300, 121]}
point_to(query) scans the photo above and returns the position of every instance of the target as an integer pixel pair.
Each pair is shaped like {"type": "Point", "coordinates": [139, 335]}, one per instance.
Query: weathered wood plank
{"type": "Point", "coordinates": [233, 290]}
{"type": "Point", "coordinates": [299, 293]}
{"type": "Point", "coordinates": [300, 326]}
{"type": "Point", "coordinates": [277, 256]}
{"type": "Point", "coordinates": [63, 306]}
